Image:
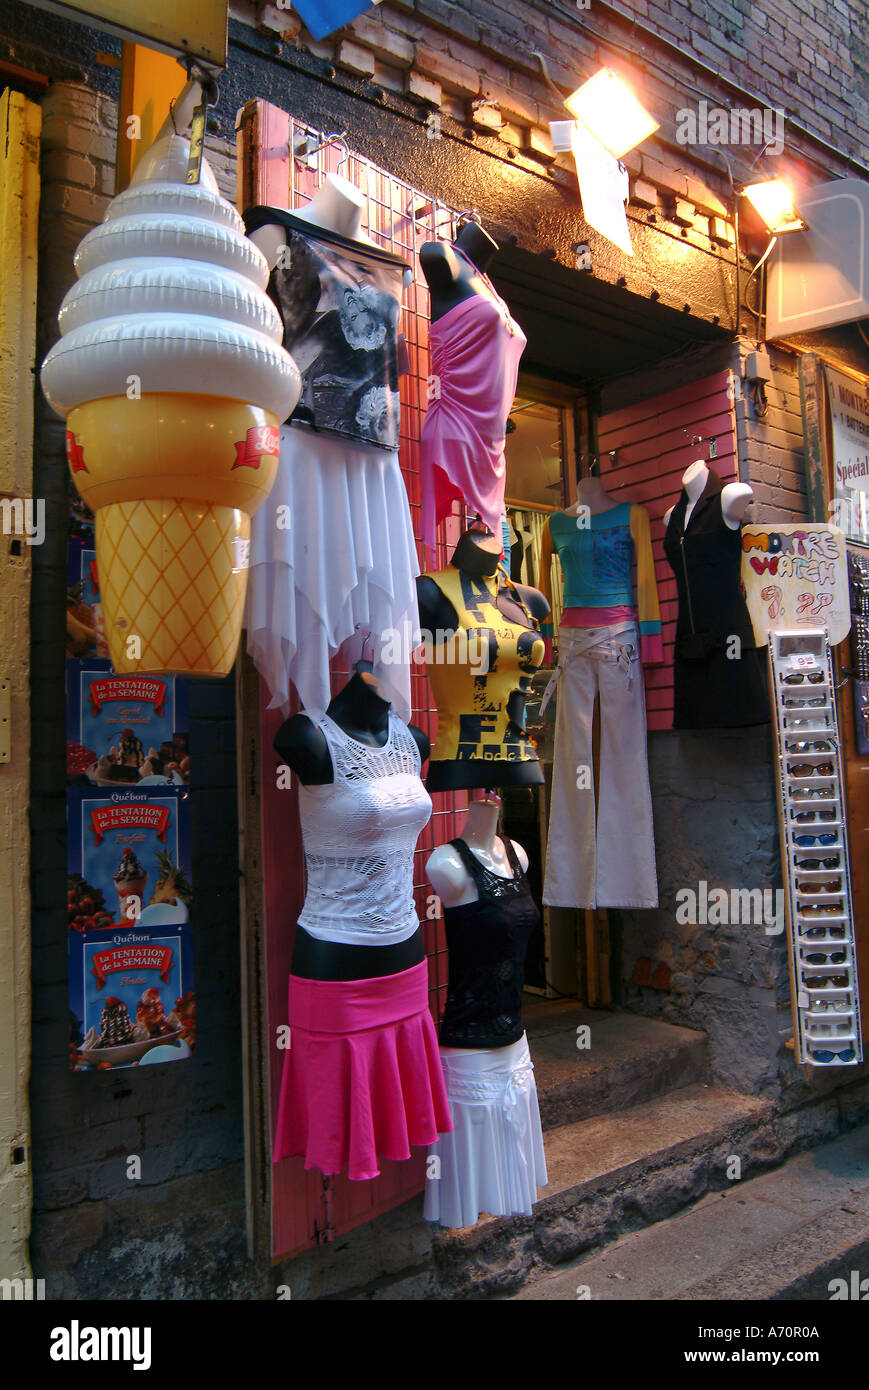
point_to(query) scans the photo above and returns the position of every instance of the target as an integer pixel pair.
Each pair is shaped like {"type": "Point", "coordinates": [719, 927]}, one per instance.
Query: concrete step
{"type": "Point", "coordinates": [629, 1059]}
{"type": "Point", "coordinates": [605, 1177]}
{"type": "Point", "coordinates": [783, 1236]}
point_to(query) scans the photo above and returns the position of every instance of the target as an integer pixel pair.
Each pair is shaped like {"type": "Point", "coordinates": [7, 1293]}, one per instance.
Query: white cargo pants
{"type": "Point", "coordinates": [610, 863]}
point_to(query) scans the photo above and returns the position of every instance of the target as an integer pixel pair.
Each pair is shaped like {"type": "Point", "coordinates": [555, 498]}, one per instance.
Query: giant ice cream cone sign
{"type": "Point", "coordinates": [172, 378]}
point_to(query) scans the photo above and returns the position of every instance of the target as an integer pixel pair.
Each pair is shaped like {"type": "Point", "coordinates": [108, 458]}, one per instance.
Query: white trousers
{"type": "Point", "coordinates": [610, 863]}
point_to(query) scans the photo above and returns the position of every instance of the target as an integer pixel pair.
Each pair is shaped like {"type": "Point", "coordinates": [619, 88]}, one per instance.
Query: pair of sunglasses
{"type": "Point", "coordinates": [829, 837]}
{"type": "Point", "coordinates": [825, 885]}
{"type": "Point", "coordinates": [821, 910]}
{"type": "Point", "coordinates": [830, 1006]}
{"type": "Point", "coordinates": [820, 745]}
{"type": "Point", "coordinates": [801, 793]}
{"type": "Point", "coordinates": [822, 813]}
{"type": "Point", "coordinates": [832, 863]}
{"type": "Point", "coordinates": [826, 958]}
{"type": "Point", "coordinates": [814, 703]}
{"type": "Point", "coordinates": [829, 982]}
{"type": "Point", "coordinates": [846, 1055]}
{"type": "Point", "coordinates": [824, 933]}
{"type": "Point", "coordinates": [797, 677]}
{"type": "Point", "coordinates": [810, 769]}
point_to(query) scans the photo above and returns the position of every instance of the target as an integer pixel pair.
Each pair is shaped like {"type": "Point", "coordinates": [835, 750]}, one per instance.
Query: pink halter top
{"type": "Point", "coordinates": [475, 352]}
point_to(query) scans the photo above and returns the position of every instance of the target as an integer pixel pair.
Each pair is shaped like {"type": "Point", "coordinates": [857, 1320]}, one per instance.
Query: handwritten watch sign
{"type": "Point", "coordinates": [796, 575]}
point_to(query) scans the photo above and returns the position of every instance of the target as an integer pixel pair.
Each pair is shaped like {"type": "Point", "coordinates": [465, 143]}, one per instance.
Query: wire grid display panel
{"type": "Point", "coordinates": [398, 218]}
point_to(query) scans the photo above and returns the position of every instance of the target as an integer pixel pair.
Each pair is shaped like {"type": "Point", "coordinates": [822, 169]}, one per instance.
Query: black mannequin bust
{"type": "Point", "coordinates": [362, 712]}
{"type": "Point", "coordinates": [359, 709]}
{"type": "Point", "coordinates": [477, 553]}
{"type": "Point", "coordinates": [452, 277]}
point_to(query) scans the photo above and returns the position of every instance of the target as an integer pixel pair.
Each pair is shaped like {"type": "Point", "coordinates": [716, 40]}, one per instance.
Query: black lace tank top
{"type": "Point", "coordinates": [487, 941]}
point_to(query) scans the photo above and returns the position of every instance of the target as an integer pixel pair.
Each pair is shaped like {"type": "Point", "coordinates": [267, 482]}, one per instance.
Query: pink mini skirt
{"type": "Point", "coordinates": [362, 1076]}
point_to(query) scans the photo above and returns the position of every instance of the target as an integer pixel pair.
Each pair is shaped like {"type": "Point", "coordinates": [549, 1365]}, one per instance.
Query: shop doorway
{"type": "Point", "coordinates": [544, 436]}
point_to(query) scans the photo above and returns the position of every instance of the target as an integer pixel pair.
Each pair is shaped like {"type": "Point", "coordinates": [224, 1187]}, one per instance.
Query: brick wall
{"type": "Point", "coordinates": [184, 1120]}
{"type": "Point", "coordinates": [771, 451]}
{"type": "Point", "coordinates": [476, 60]}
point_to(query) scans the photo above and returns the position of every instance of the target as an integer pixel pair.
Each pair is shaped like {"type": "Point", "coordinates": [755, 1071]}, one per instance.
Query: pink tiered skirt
{"type": "Point", "coordinates": [362, 1076]}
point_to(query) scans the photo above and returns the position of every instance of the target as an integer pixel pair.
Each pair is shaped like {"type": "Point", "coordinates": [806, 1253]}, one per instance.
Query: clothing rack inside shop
{"type": "Point", "coordinates": [518, 504]}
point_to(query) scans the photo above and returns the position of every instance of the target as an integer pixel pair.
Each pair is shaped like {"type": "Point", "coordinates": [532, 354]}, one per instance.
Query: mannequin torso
{"type": "Point", "coordinates": [591, 494]}
{"type": "Point", "coordinates": [735, 497]}
{"type": "Point", "coordinates": [477, 553]}
{"type": "Point", "coordinates": [445, 868]}
{"type": "Point", "coordinates": [454, 271]}
{"type": "Point", "coordinates": [359, 710]}
{"type": "Point", "coordinates": [362, 714]}
{"type": "Point", "coordinates": [336, 207]}
{"type": "Point", "coordinates": [476, 558]}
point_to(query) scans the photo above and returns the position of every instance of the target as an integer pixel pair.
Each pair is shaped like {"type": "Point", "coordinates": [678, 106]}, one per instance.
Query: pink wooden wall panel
{"type": "Point", "coordinates": [653, 453]}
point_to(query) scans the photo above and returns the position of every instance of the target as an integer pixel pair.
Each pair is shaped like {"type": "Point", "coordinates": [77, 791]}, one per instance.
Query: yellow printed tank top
{"type": "Point", "coordinates": [480, 674]}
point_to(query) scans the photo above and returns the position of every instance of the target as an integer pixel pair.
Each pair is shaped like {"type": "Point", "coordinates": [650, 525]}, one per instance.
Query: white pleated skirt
{"type": "Point", "coordinates": [493, 1161]}
{"type": "Point", "coordinates": [332, 557]}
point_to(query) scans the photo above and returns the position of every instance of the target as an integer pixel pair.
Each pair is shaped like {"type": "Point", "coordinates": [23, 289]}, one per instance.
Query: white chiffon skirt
{"type": "Point", "coordinates": [493, 1161]}
{"type": "Point", "coordinates": [332, 558]}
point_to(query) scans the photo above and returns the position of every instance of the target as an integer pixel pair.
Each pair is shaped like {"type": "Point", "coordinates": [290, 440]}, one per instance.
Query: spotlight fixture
{"type": "Point", "coordinates": [608, 107]}
{"type": "Point", "coordinates": [774, 201]}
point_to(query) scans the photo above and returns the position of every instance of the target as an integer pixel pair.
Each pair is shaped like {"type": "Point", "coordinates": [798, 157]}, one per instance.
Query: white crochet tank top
{"type": "Point", "coordinates": [359, 833]}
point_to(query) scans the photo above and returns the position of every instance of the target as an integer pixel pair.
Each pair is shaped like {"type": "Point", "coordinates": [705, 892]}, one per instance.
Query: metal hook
{"type": "Point", "coordinates": [470, 215]}
{"type": "Point", "coordinates": [367, 636]}
{"type": "Point", "coordinates": [711, 440]}
{"type": "Point", "coordinates": [309, 146]}
{"type": "Point", "coordinates": [339, 138]}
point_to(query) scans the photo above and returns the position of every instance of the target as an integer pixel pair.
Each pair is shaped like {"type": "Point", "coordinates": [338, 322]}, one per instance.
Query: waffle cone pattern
{"type": "Point", "coordinates": [172, 573]}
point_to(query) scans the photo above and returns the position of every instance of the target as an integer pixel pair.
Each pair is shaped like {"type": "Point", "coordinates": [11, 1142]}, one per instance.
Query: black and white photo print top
{"type": "Point", "coordinates": [339, 301]}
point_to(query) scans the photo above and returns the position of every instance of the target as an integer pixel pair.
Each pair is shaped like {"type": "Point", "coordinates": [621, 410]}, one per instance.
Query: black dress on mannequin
{"type": "Point", "coordinates": [714, 687]}
{"type": "Point", "coordinates": [361, 712]}
{"type": "Point", "coordinates": [476, 558]}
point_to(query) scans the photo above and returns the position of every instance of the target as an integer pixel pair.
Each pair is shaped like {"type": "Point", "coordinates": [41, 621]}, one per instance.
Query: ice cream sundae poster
{"type": "Point", "coordinates": [129, 843]}
{"type": "Point", "coordinates": [132, 997]}
{"type": "Point", "coordinates": [85, 634]}
{"type": "Point", "coordinates": [129, 895]}
{"type": "Point", "coordinates": [123, 729]}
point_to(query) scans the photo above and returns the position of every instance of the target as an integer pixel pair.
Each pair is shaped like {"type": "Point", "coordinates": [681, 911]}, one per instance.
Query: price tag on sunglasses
{"type": "Point", "coordinates": [802, 661]}
{"type": "Point", "coordinates": [803, 999]}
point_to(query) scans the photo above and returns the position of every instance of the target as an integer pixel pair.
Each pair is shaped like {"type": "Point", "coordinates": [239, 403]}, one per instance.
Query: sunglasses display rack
{"type": "Point", "coordinates": [827, 1031]}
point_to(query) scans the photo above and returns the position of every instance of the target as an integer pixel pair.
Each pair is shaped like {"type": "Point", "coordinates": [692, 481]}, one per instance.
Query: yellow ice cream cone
{"type": "Point", "coordinates": [172, 378]}
{"type": "Point", "coordinates": [175, 579]}
{"type": "Point", "coordinates": [173, 481]}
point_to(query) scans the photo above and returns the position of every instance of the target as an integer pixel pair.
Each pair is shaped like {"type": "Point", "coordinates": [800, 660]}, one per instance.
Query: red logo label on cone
{"type": "Point", "coordinates": [259, 440]}
{"type": "Point", "coordinates": [75, 454]}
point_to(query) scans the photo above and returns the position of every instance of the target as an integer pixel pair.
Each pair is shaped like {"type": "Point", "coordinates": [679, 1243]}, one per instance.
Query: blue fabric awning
{"type": "Point", "coordinates": [323, 17]}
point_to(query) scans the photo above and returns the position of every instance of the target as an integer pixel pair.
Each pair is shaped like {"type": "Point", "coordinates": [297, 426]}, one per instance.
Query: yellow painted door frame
{"type": "Point", "coordinates": [150, 81]}
{"type": "Point", "coordinates": [20, 126]}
